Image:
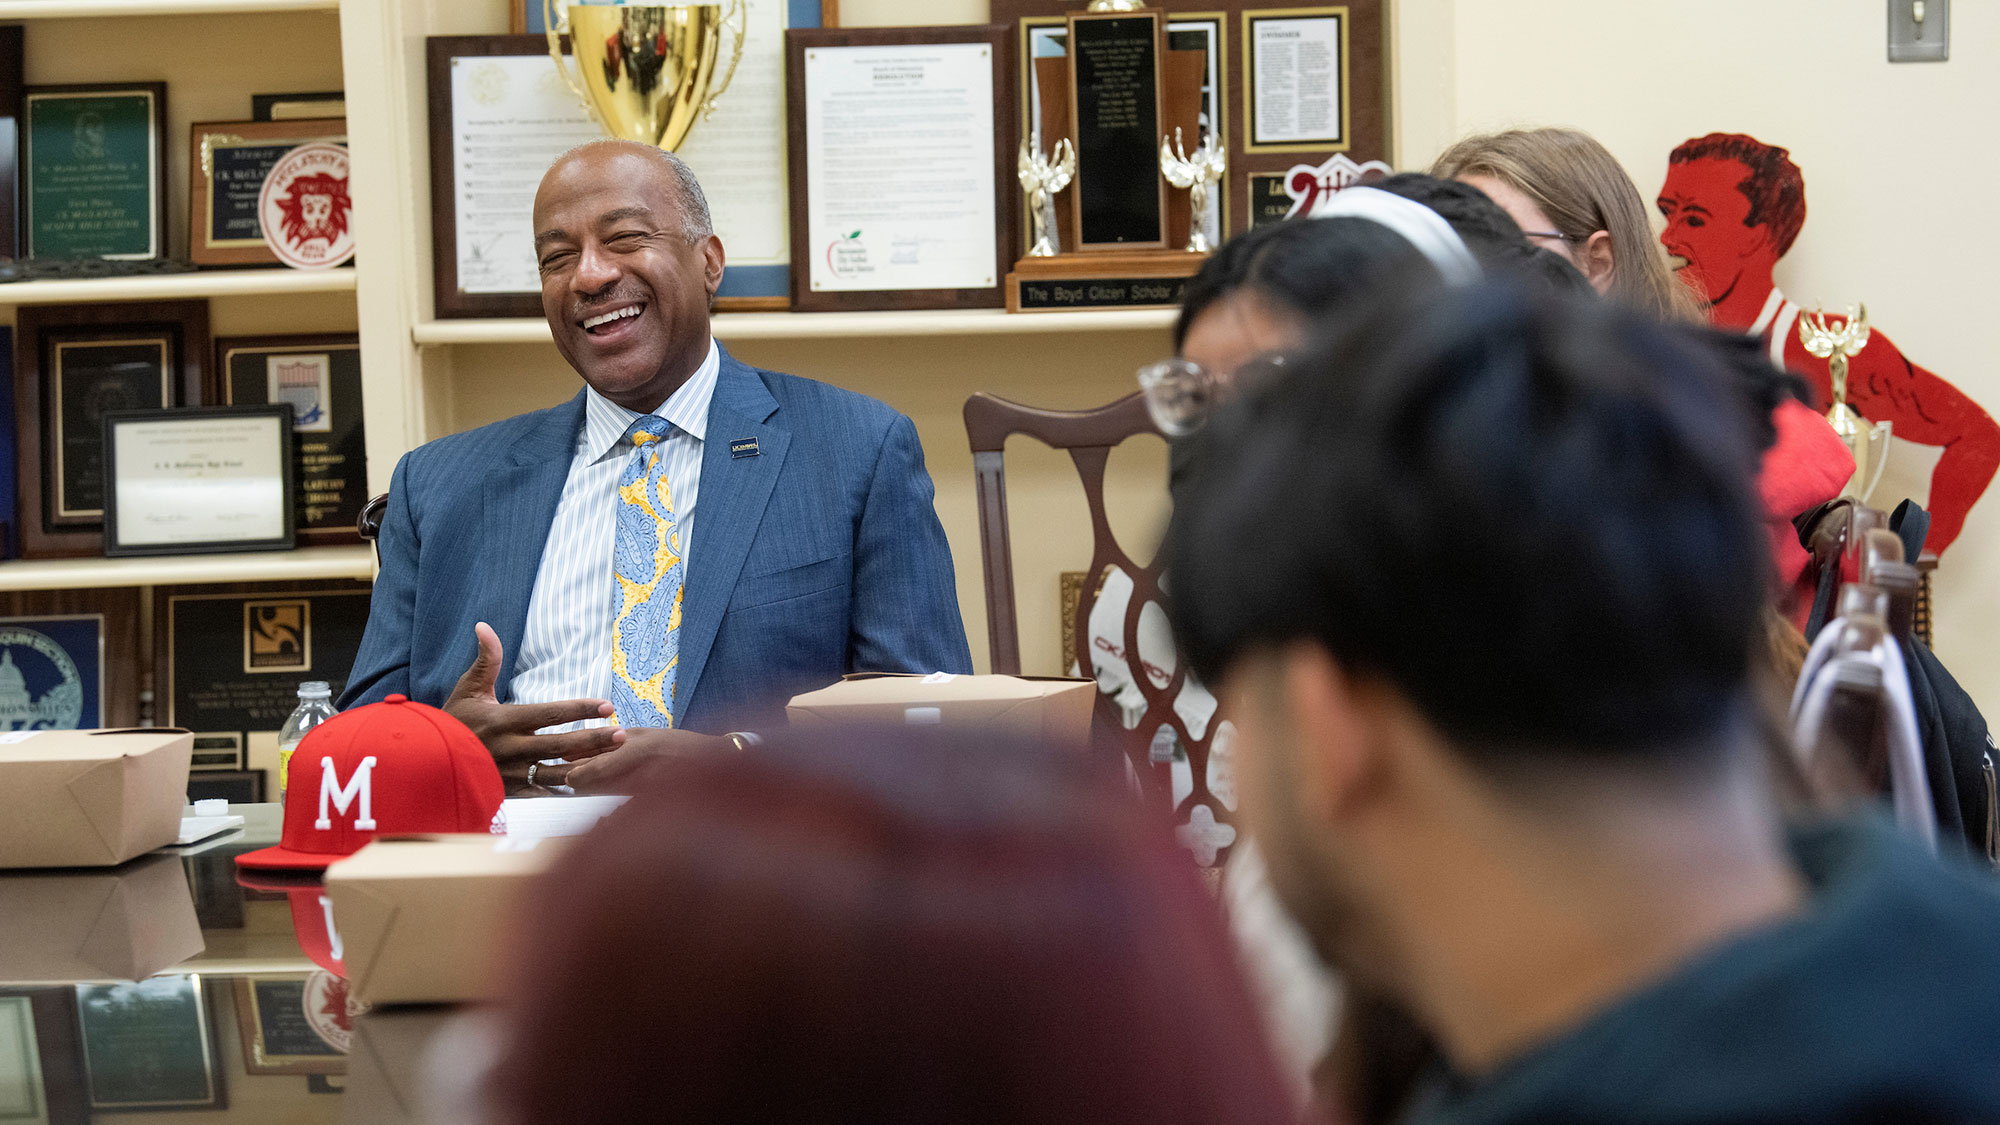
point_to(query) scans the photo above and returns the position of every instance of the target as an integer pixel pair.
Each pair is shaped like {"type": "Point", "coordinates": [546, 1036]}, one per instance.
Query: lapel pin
{"type": "Point", "coordinates": [743, 447]}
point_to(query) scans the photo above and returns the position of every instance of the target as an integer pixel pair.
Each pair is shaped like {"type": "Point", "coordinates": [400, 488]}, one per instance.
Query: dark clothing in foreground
{"type": "Point", "coordinates": [1881, 1003]}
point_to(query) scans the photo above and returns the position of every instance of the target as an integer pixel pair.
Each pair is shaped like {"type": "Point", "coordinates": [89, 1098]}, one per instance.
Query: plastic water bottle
{"type": "Point", "coordinates": [315, 707]}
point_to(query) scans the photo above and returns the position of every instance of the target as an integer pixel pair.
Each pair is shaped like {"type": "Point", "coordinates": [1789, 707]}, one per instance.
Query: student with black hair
{"type": "Point", "coordinates": [1489, 657]}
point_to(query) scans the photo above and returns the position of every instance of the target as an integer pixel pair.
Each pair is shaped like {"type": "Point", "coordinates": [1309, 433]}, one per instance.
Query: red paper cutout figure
{"type": "Point", "coordinates": [1733, 206]}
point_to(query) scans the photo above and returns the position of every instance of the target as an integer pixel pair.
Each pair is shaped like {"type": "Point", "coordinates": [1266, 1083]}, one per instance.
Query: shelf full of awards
{"type": "Point", "coordinates": [305, 564]}
{"type": "Point", "coordinates": [831, 326]}
{"type": "Point", "coordinates": [101, 9]}
{"type": "Point", "coordinates": [177, 286]}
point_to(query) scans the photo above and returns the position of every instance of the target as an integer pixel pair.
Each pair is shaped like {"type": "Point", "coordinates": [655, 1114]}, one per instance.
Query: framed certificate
{"type": "Point", "coordinates": [321, 377]}
{"type": "Point", "coordinates": [73, 365]}
{"type": "Point", "coordinates": [1295, 80]}
{"type": "Point", "coordinates": [227, 163]}
{"type": "Point", "coordinates": [901, 168]}
{"type": "Point", "coordinates": [198, 481]}
{"type": "Point", "coordinates": [94, 181]}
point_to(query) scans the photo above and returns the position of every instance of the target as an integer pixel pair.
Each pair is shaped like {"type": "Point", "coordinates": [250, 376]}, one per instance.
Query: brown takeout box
{"type": "Point", "coordinates": [122, 924]}
{"type": "Point", "coordinates": [427, 919]}
{"type": "Point", "coordinates": [90, 798]}
{"type": "Point", "coordinates": [1048, 709]}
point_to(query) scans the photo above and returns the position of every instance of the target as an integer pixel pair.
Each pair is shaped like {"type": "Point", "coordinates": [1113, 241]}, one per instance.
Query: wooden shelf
{"type": "Point", "coordinates": [826, 326]}
{"type": "Point", "coordinates": [178, 286]}
{"type": "Point", "coordinates": [302, 565]}
{"type": "Point", "coordinates": [85, 9]}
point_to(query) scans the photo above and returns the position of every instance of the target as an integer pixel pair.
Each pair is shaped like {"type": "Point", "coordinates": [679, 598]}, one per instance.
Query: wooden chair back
{"type": "Point", "coordinates": [1088, 436]}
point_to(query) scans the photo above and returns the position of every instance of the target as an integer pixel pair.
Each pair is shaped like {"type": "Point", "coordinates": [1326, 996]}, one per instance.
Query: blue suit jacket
{"type": "Point", "coordinates": [819, 556]}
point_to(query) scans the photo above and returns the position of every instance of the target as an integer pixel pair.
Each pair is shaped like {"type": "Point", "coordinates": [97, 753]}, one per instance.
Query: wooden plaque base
{"type": "Point", "coordinates": [1139, 279]}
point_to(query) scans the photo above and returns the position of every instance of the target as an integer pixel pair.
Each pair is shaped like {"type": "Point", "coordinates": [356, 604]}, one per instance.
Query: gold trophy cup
{"type": "Point", "coordinates": [647, 71]}
{"type": "Point", "coordinates": [1836, 345]}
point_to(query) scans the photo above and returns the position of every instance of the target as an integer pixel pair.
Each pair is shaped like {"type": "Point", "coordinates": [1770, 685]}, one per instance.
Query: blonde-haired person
{"type": "Point", "coordinates": [1571, 195]}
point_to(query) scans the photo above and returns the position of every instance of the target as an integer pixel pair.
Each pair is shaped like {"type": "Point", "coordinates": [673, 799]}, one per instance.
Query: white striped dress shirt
{"type": "Point", "coordinates": [566, 647]}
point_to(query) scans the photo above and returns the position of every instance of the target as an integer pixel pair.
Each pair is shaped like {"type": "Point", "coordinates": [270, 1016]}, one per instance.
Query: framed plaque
{"type": "Point", "coordinates": [228, 661]}
{"type": "Point", "coordinates": [321, 377]}
{"type": "Point", "coordinates": [1269, 201]}
{"type": "Point", "coordinates": [901, 174]}
{"type": "Point", "coordinates": [227, 163]}
{"type": "Point", "coordinates": [201, 480]}
{"type": "Point", "coordinates": [1295, 95]}
{"type": "Point", "coordinates": [41, 1056]}
{"type": "Point", "coordinates": [294, 1024]}
{"type": "Point", "coordinates": [149, 1045]}
{"type": "Point", "coordinates": [69, 659]}
{"type": "Point", "coordinates": [94, 172]}
{"type": "Point", "coordinates": [72, 365]}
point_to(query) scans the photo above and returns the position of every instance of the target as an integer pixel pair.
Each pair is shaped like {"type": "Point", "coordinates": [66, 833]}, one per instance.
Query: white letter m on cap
{"type": "Point", "coordinates": [330, 789]}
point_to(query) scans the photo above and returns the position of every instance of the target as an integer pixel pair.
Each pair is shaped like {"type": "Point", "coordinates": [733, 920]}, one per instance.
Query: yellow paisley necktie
{"type": "Point", "coordinates": [646, 634]}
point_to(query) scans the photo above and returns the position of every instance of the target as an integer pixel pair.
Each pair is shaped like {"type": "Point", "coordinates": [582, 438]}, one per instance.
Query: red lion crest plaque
{"type": "Point", "coordinates": [305, 208]}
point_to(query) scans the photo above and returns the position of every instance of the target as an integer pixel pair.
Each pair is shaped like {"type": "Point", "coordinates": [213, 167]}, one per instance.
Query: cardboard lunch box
{"type": "Point", "coordinates": [1050, 709]}
{"type": "Point", "coordinates": [90, 798]}
{"type": "Point", "coordinates": [125, 923]}
{"type": "Point", "coordinates": [428, 919]}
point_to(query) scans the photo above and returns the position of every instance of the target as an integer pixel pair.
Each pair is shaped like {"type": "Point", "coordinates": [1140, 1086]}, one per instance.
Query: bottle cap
{"type": "Point", "coordinates": [211, 806]}
{"type": "Point", "coordinates": [315, 689]}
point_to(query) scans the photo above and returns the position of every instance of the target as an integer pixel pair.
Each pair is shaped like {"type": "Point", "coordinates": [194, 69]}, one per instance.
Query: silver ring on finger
{"type": "Point", "coordinates": [532, 767]}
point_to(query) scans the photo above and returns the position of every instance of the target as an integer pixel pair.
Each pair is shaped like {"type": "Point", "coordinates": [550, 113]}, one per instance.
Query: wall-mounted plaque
{"type": "Point", "coordinates": [69, 659]}
{"type": "Point", "coordinates": [902, 182]}
{"type": "Point", "coordinates": [94, 175]}
{"type": "Point", "coordinates": [228, 660]}
{"type": "Point", "coordinates": [227, 163]}
{"type": "Point", "coordinates": [1295, 80]}
{"type": "Point", "coordinates": [321, 377]}
{"type": "Point", "coordinates": [1269, 201]}
{"type": "Point", "coordinates": [73, 365]}
{"type": "Point", "coordinates": [198, 480]}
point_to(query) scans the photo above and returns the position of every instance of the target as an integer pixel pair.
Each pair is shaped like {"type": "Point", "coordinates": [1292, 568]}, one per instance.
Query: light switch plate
{"type": "Point", "coordinates": [1915, 40]}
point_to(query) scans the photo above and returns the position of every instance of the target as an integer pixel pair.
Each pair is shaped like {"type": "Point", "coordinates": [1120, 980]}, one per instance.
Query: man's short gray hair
{"type": "Point", "coordinates": [695, 221]}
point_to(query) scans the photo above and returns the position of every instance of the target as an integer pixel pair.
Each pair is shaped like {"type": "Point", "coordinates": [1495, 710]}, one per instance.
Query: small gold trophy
{"type": "Point", "coordinates": [647, 70]}
{"type": "Point", "coordinates": [1194, 171]}
{"type": "Point", "coordinates": [1868, 444]}
{"type": "Point", "coordinates": [1041, 177]}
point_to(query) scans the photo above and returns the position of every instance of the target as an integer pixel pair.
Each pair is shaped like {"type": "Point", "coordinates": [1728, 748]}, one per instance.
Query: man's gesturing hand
{"type": "Point", "coordinates": [508, 729]}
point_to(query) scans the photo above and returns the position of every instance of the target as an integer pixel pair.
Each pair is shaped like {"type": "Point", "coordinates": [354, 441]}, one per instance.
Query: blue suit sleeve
{"type": "Point", "coordinates": [906, 615]}
{"type": "Point", "coordinates": [382, 666]}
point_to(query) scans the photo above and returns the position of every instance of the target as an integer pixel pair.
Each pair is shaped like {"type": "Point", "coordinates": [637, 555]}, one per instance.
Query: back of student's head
{"type": "Point", "coordinates": [880, 927]}
{"type": "Point", "coordinates": [1530, 515]}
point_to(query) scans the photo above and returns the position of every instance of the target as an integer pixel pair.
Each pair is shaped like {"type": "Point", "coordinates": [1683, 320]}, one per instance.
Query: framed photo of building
{"type": "Point", "coordinates": [69, 659]}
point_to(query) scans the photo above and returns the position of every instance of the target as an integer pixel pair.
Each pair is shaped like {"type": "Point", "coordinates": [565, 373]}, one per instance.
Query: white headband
{"type": "Point", "coordinates": [1420, 226]}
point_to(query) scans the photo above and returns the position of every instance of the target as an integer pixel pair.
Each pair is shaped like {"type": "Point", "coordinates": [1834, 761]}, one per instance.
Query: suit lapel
{"type": "Point", "coordinates": [734, 491]}
{"type": "Point", "coordinates": [524, 494]}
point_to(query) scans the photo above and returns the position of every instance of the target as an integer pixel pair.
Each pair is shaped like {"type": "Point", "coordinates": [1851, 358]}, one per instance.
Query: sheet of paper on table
{"type": "Point", "coordinates": [537, 818]}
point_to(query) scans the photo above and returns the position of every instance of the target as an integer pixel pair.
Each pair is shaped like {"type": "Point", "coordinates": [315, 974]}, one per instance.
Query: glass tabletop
{"type": "Point", "coordinates": [171, 983]}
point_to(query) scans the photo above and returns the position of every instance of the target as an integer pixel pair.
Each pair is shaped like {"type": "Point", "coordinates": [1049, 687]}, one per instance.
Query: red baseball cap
{"type": "Point", "coordinates": [390, 768]}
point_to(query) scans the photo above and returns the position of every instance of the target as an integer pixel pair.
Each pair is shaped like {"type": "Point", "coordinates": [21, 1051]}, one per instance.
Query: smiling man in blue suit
{"type": "Point", "coordinates": [665, 559]}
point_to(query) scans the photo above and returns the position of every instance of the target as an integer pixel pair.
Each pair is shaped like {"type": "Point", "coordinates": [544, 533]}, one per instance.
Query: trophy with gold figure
{"type": "Point", "coordinates": [1836, 344]}
{"type": "Point", "coordinates": [647, 72]}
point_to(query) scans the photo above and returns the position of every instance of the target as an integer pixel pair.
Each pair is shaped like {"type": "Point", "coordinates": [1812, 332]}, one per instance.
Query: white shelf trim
{"type": "Point", "coordinates": [177, 286]}
{"type": "Point", "coordinates": [824, 326]}
{"type": "Point", "coordinates": [303, 565]}
{"type": "Point", "coordinates": [84, 9]}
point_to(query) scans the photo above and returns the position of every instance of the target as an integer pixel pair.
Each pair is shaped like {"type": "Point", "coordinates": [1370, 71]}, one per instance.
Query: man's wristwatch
{"type": "Point", "coordinates": [743, 739]}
